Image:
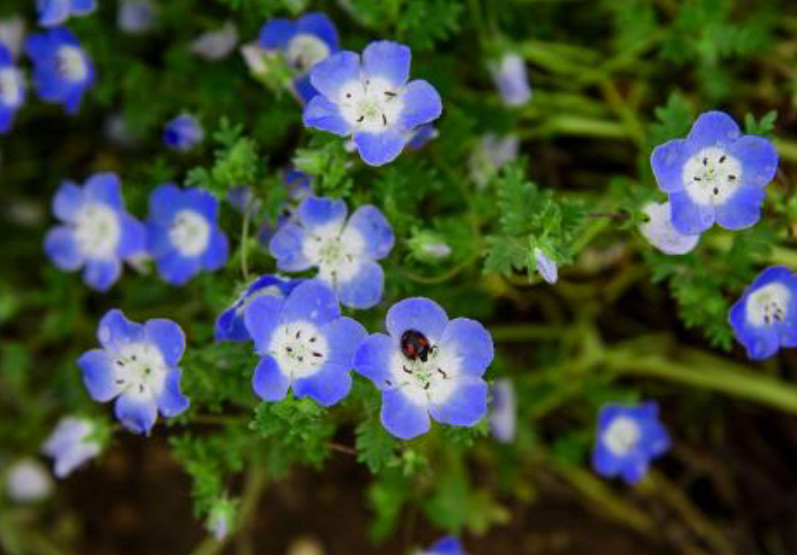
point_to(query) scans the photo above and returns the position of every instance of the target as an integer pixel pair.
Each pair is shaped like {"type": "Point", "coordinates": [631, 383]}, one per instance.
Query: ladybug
{"type": "Point", "coordinates": [414, 345]}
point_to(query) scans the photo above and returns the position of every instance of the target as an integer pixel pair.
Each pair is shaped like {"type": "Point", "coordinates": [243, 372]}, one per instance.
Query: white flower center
{"type": "Point", "coordinates": [299, 349]}
{"type": "Point", "coordinates": [189, 233]}
{"type": "Point", "coordinates": [72, 64]}
{"type": "Point", "coordinates": [304, 51]}
{"type": "Point", "coordinates": [768, 304]}
{"type": "Point", "coordinates": [10, 87]}
{"type": "Point", "coordinates": [139, 369]}
{"type": "Point", "coordinates": [336, 254]}
{"type": "Point", "coordinates": [622, 435]}
{"type": "Point", "coordinates": [371, 105]}
{"type": "Point", "coordinates": [97, 231]}
{"type": "Point", "coordinates": [425, 383]}
{"type": "Point", "coordinates": [711, 176]}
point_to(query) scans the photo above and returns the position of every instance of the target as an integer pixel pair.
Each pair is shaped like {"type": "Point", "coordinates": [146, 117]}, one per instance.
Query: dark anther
{"type": "Point", "coordinates": [722, 158]}
{"type": "Point", "coordinates": [445, 376]}
{"type": "Point", "coordinates": [140, 388]}
{"type": "Point", "coordinates": [389, 383]}
{"type": "Point", "coordinates": [716, 191]}
{"type": "Point", "coordinates": [289, 349]}
{"type": "Point", "coordinates": [698, 179]}
{"type": "Point", "coordinates": [732, 178]}
{"type": "Point", "coordinates": [298, 334]}
{"type": "Point", "coordinates": [705, 161]}
{"type": "Point", "coordinates": [312, 339]}
{"type": "Point", "coordinates": [391, 94]}
{"type": "Point", "coordinates": [360, 119]}
{"type": "Point", "coordinates": [132, 357]}
{"type": "Point", "coordinates": [120, 381]}
{"type": "Point", "coordinates": [317, 355]}
{"type": "Point", "coordinates": [427, 385]}
{"type": "Point", "coordinates": [301, 359]}
{"type": "Point", "coordinates": [405, 369]}
{"type": "Point", "coordinates": [384, 120]}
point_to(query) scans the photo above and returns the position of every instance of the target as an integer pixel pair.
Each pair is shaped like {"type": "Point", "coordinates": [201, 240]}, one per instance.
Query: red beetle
{"type": "Point", "coordinates": [414, 345]}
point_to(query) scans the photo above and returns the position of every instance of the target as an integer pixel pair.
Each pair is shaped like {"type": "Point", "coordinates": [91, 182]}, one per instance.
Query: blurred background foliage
{"type": "Point", "coordinates": [611, 80]}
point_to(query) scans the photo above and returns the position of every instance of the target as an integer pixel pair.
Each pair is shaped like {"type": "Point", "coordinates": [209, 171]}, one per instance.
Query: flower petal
{"type": "Point", "coordinates": [712, 128]}
{"type": "Point", "coordinates": [62, 249]}
{"type": "Point", "coordinates": [667, 162]}
{"type": "Point", "coordinates": [286, 246]}
{"type": "Point", "coordinates": [388, 60]}
{"type": "Point", "coordinates": [115, 330]}
{"type": "Point", "coordinates": [215, 256]}
{"type": "Point", "coordinates": [343, 336]}
{"type": "Point", "coordinates": [269, 383]}
{"type": "Point", "coordinates": [177, 269]}
{"type": "Point", "coordinates": [134, 237]}
{"type": "Point", "coordinates": [98, 375]}
{"type": "Point", "coordinates": [401, 417]}
{"type": "Point", "coordinates": [759, 159]}
{"type": "Point", "coordinates": [321, 113]}
{"type": "Point", "coordinates": [105, 188]}
{"type": "Point", "coordinates": [327, 387]}
{"type": "Point", "coordinates": [422, 104]}
{"type": "Point", "coordinates": [52, 12]}
{"type": "Point", "coordinates": [68, 201]}
{"type": "Point", "coordinates": [165, 201]}
{"type": "Point", "coordinates": [743, 209]}
{"type": "Point", "coordinates": [101, 274]}
{"type": "Point", "coordinates": [261, 318]}
{"type": "Point", "coordinates": [318, 24]}
{"type": "Point", "coordinates": [276, 33]}
{"type": "Point", "coordinates": [137, 414]}
{"type": "Point", "coordinates": [372, 358]}
{"type": "Point", "coordinates": [375, 230]}
{"type": "Point", "coordinates": [315, 212]}
{"type": "Point", "coordinates": [171, 401]}
{"type": "Point", "coordinates": [465, 406]}
{"type": "Point", "coordinates": [378, 149]}
{"type": "Point", "coordinates": [689, 217]}
{"type": "Point", "coordinates": [365, 288]}
{"type": "Point", "coordinates": [312, 301]}
{"type": "Point", "coordinates": [471, 343]}
{"type": "Point", "coordinates": [330, 74]}
{"type": "Point", "coordinates": [168, 337]}
{"type": "Point", "coordinates": [417, 313]}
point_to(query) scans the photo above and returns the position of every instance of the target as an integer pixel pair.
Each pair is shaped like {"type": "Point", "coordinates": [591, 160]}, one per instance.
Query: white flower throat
{"type": "Point", "coordinates": [189, 233]}
{"type": "Point", "coordinates": [299, 348]}
{"type": "Point", "coordinates": [337, 254]}
{"type": "Point", "coordinates": [425, 383]}
{"type": "Point", "coordinates": [371, 105]}
{"type": "Point", "coordinates": [622, 435]}
{"type": "Point", "coordinates": [139, 369]}
{"type": "Point", "coordinates": [304, 51]}
{"type": "Point", "coordinates": [711, 176]}
{"type": "Point", "coordinates": [97, 231]}
{"type": "Point", "coordinates": [768, 305]}
{"type": "Point", "coordinates": [10, 87]}
{"type": "Point", "coordinates": [72, 64]}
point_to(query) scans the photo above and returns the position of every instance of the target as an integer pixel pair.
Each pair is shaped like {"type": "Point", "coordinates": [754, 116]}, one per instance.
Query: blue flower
{"type": "Point", "coordinates": [63, 71]}
{"type": "Point", "coordinates": [138, 366]}
{"type": "Point", "coordinates": [448, 545]}
{"type": "Point", "coordinates": [96, 232]}
{"type": "Point", "coordinates": [503, 410]}
{"type": "Point", "coordinates": [371, 100]}
{"type": "Point", "coordinates": [421, 136]}
{"type": "Point", "coordinates": [627, 438]}
{"type": "Point", "coordinates": [56, 12]}
{"type": "Point", "coordinates": [12, 90]}
{"type": "Point", "coordinates": [216, 45]}
{"type": "Point", "coordinates": [183, 133]}
{"type": "Point", "coordinates": [12, 34]}
{"type": "Point", "coordinates": [135, 16]}
{"type": "Point", "coordinates": [765, 318]}
{"type": "Point", "coordinates": [546, 266]}
{"type": "Point", "coordinates": [72, 443]}
{"type": "Point", "coordinates": [426, 365]}
{"type": "Point", "coordinates": [304, 343]}
{"type": "Point", "coordinates": [183, 233]}
{"type": "Point", "coordinates": [344, 252]}
{"type": "Point", "coordinates": [714, 175]}
{"type": "Point", "coordinates": [230, 325]}
{"type": "Point", "coordinates": [509, 74]}
{"type": "Point", "coordinates": [304, 43]}
{"type": "Point", "coordinates": [27, 481]}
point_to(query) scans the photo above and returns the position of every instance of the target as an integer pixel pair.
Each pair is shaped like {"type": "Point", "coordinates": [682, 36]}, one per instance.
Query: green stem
{"type": "Point", "coordinates": [245, 243]}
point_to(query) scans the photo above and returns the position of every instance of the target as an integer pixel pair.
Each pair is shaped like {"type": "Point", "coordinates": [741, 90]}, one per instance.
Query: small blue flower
{"type": "Point", "coordinates": [304, 43]}
{"type": "Point", "coordinates": [344, 252]}
{"type": "Point", "coordinates": [304, 343]}
{"type": "Point", "coordinates": [448, 545]}
{"type": "Point", "coordinates": [183, 133]}
{"type": "Point", "coordinates": [138, 366]}
{"type": "Point", "coordinates": [714, 175]}
{"type": "Point", "coordinates": [96, 232]}
{"type": "Point", "coordinates": [56, 12]}
{"type": "Point", "coordinates": [12, 90]}
{"type": "Point", "coordinates": [183, 233]}
{"type": "Point", "coordinates": [765, 318]}
{"type": "Point", "coordinates": [216, 45]}
{"type": "Point", "coordinates": [230, 325]}
{"type": "Point", "coordinates": [503, 410]}
{"type": "Point", "coordinates": [371, 100]}
{"type": "Point", "coordinates": [63, 71]}
{"type": "Point", "coordinates": [27, 481]}
{"type": "Point", "coordinates": [546, 266]}
{"type": "Point", "coordinates": [660, 232]}
{"type": "Point", "coordinates": [72, 444]}
{"type": "Point", "coordinates": [12, 34]}
{"type": "Point", "coordinates": [427, 365]}
{"type": "Point", "coordinates": [509, 74]}
{"type": "Point", "coordinates": [627, 439]}
{"type": "Point", "coordinates": [136, 16]}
